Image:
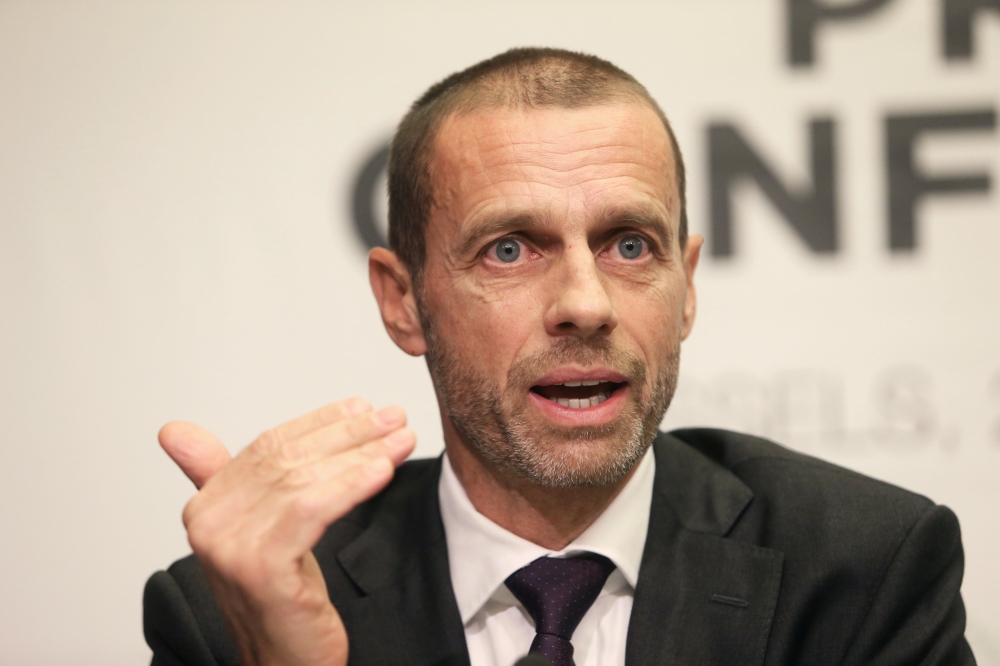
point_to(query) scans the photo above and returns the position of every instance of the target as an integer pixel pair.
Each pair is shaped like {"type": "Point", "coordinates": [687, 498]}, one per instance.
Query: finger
{"type": "Point", "coordinates": [198, 453]}
{"type": "Point", "coordinates": [399, 444]}
{"type": "Point", "coordinates": [348, 433]}
{"type": "Point", "coordinates": [324, 416]}
{"type": "Point", "coordinates": [259, 504]}
{"type": "Point", "coordinates": [265, 467]}
{"type": "Point", "coordinates": [329, 440]}
{"type": "Point", "coordinates": [395, 446]}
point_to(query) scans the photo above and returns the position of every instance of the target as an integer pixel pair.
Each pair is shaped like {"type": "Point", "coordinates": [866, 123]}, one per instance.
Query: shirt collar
{"type": "Point", "coordinates": [481, 554]}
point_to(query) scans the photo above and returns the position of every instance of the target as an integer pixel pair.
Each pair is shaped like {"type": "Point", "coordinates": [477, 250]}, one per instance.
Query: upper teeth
{"type": "Point", "coordinates": [582, 403]}
{"type": "Point", "coordinates": [588, 382]}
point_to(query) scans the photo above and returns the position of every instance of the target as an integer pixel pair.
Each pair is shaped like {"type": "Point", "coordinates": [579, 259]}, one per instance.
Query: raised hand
{"type": "Point", "coordinates": [256, 518]}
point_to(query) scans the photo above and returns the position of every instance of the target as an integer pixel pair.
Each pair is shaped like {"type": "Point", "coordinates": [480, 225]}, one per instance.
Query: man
{"type": "Point", "coordinates": [541, 262]}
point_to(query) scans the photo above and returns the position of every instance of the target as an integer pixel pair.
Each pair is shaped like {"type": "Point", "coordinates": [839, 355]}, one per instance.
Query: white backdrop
{"type": "Point", "coordinates": [176, 241]}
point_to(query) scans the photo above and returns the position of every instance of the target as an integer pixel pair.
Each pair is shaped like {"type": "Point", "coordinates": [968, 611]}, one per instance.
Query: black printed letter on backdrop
{"type": "Point", "coordinates": [366, 188]}
{"type": "Point", "coordinates": [907, 185]}
{"type": "Point", "coordinates": [957, 22]}
{"type": "Point", "coordinates": [811, 212]}
{"type": "Point", "coordinates": [805, 16]}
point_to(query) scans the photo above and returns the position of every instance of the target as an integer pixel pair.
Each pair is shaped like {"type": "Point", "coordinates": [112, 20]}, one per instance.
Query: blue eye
{"type": "Point", "coordinates": [630, 247]}
{"type": "Point", "coordinates": [508, 250]}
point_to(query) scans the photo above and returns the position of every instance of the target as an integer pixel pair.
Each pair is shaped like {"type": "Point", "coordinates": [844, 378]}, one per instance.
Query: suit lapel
{"type": "Point", "coordinates": [400, 563]}
{"type": "Point", "coordinates": [701, 598]}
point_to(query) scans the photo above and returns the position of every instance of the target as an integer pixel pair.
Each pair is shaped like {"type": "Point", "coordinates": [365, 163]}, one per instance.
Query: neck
{"type": "Point", "coordinates": [549, 517]}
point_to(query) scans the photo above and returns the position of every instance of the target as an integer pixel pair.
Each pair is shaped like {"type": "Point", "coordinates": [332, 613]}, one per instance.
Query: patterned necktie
{"type": "Point", "coordinates": [557, 592]}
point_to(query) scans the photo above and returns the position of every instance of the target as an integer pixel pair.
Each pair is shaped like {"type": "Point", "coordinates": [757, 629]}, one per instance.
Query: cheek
{"type": "Point", "coordinates": [652, 314]}
{"type": "Point", "coordinates": [488, 326]}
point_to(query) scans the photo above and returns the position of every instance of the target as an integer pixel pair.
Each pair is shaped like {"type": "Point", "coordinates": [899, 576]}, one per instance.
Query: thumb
{"type": "Point", "coordinates": [198, 453]}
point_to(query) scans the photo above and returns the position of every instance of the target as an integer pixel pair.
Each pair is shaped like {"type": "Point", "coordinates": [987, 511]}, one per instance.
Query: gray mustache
{"type": "Point", "coordinates": [596, 351]}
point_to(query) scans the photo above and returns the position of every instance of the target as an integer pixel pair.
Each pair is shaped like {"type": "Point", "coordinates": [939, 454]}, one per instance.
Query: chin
{"type": "Point", "coordinates": [580, 458]}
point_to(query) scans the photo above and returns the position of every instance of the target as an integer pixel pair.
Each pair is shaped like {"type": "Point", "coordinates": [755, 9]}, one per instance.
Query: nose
{"type": "Point", "coordinates": [579, 304]}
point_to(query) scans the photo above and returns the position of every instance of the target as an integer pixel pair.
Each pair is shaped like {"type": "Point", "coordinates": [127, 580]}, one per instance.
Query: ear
{"type": "Point", "coordinates": [692, 252]}
{"type": "Point", "coordinates": [393, 290]}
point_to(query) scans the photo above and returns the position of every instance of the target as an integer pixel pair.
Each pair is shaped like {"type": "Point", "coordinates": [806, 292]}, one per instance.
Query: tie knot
{"type": "Point", "coordinates": [557, 592]}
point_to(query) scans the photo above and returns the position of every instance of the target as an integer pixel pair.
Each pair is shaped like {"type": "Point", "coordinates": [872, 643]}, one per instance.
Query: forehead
{"type": "Point", "coordinates": [614, 154]}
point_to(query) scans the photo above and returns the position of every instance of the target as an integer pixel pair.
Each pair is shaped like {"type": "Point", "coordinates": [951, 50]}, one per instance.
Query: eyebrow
{"type": "Point", "coordinates": [643, 217]}
{"type": "Point", "coordinates": [497, 226]}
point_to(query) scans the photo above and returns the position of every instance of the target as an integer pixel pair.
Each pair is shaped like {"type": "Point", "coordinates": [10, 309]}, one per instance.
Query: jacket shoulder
{"type": "Point", "coordinates": [820, 515]}
{"type": "Point", "coordinates": [182, 622]}
{"type": "Point", "coordinates": [871, 572]}
{"type": "Point", "coordinates": [775, 473]}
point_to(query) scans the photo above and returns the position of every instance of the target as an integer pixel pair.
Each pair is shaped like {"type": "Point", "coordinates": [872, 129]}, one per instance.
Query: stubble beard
{"type": "Point", "coordinates": [498, 424]}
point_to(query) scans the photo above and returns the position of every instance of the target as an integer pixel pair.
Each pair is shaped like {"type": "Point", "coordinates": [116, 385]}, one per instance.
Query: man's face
{"type": "Point", "coordinates": [555, 294]}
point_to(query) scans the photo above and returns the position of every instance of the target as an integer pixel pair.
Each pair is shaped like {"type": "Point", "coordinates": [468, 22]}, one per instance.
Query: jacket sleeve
{"type": "Point", "coordinates": [170, 625]}
{"type": "Point", "coordinates": [917, 615]}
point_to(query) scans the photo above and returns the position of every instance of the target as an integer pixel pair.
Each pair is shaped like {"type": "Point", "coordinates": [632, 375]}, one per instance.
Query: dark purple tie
{"type": "Point", "coordinates": [557, 592]}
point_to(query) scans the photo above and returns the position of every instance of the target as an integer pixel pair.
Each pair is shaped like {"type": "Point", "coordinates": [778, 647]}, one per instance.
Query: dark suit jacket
{"type": "Point", "coordinates": [755, 555]}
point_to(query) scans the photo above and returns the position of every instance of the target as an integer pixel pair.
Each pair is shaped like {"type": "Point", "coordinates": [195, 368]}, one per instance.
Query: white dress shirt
{"type": "Point", "coordinates": [481, 554]}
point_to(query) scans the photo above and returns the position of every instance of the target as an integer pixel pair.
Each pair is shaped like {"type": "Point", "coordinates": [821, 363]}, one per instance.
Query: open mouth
{"type": "Point", "coordinates": [578, 394]}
